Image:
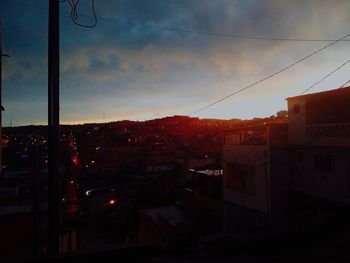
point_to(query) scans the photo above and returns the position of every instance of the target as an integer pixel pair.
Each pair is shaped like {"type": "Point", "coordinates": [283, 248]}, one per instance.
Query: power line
{"type": "Point", "coordinates": [75, 15]}
{"type": "Point", "coordinates": [270, 76]}
{"type": "Point", "coordinates": [182, 30]}
{"type": "Point", "coordinates": [342, 86]}
{"type": "Point", "coordinates": [297, 118]}
{"type": "Point", "coordinates": [329, 74]}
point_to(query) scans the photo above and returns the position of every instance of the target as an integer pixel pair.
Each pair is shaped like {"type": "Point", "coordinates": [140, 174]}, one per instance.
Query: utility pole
{"type": "Point", "coordinates": [53, 132]}
{"type": "Point", "coordinates": [1, 107]}
{"type": "Point", "coordinates": [36, 178]}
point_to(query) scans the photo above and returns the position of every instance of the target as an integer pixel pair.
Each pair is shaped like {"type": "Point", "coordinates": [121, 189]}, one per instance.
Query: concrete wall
{"type": "Point", "coordinates": [335, 185]}
{"type": "Point", "coordinates": [255, 155]}
{"type": "Point", "coordinates": [299, 133]}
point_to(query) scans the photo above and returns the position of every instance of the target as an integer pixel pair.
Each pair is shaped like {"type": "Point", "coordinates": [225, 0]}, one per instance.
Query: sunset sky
{"type": "Point", "coordinates": [136, 71]}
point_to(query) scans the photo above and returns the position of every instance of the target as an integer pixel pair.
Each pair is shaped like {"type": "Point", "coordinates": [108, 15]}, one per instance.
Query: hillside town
{"type": "Point", "coordinates": [181, 185]}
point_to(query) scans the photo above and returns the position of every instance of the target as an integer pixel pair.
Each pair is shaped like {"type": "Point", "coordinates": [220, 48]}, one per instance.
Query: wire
{"type": "Point", "coordinates": [294, 120]}
{"type": "Point", "coordinates": [75, 15]}
{"type": "Point", "coordinates": [329, 74]}
{"type": "Point", "coordinates": [320, 137]}
{"type": "Point", "coordinates": [342, 86]}
{"type": "Point", "coordinates": [270, 76]}
{"type": "Point", "coordinates": [181, 30]}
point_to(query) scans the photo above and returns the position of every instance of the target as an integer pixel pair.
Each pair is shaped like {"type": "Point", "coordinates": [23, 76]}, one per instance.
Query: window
{"type": "Point", "coordinates": [241, 178]}
{"type": "Point", "coordinates": [254, 137]}
{"type": "Point", "coordinates": [324, 163]}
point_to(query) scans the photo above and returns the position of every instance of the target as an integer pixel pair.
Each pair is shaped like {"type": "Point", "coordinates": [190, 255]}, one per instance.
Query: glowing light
{"type": "Point", "coordinates": [92, 162]}
{"type": "Point", "coordinates": [112, 202]}
{"type": "Point", "coordinates": [71, 182]}
{"type": "Point", "coordinates": [75, 160]}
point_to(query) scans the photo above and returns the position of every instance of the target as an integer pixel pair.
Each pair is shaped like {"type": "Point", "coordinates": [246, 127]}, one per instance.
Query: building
{"type": "Point", "coordinates": [165, 228]}
{"type": "Point", "coordinates": [202, 199]}
{"type": "Point", "coordinates": [256, 165]}
{"type": "Point", "coordinates": [319, 137]}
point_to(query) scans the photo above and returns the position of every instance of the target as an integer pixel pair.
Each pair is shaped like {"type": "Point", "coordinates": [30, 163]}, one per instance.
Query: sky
{"type": "Point", "coordinates": [128, 68]}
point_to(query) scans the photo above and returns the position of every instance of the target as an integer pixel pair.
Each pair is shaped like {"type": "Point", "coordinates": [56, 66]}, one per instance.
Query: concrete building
{"type": "Point", "coordinates": [256, 165]}
{"type": "Point", "coordinates": [319, 137]}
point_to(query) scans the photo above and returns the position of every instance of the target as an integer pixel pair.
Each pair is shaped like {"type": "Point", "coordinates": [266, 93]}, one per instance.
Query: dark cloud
{"type": "Point", "coordinates": [116, 62]}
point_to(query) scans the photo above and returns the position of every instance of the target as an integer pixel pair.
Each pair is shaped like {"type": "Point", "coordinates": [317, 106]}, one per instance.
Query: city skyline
{"type": "Point", "coordinates": [136, 71]}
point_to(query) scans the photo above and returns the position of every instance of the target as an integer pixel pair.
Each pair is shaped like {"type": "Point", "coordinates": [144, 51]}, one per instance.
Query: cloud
{"type": "Point", "coordinates": [127, 69]}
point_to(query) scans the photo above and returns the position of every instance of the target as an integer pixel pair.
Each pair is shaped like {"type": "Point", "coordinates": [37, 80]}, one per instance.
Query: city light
{"type": "Point", "coordinates": [75, 160]}
{"type": "Point", "coordinates": [112, 202]}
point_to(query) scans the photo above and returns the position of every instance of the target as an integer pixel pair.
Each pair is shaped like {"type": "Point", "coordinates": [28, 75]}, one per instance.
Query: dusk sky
{"type": "Point", "coordinates": [133, 71]}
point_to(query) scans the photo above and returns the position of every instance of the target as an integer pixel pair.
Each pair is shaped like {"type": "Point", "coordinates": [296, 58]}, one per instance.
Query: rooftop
{"type": "Point", "coordinates": [338, 91]}
{"type": "Point", "coordinates": [208, 172]}
{"type": "Point", "coordinates": [277, 122]}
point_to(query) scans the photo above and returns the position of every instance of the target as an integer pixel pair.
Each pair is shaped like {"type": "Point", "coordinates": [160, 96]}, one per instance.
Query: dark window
{"type": "Point", "coordinates": [324, 163]}
{"type": "Point", "coordinates": [254, 137]}
{"type": "Point", "coordinates": [240, 178]}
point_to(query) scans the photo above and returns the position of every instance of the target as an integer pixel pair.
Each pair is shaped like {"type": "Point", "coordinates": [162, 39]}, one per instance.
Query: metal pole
{"type": "Point", "coordinates": [1, 107]}
{"type": "Point", "coordinates": [34, 159]}
{"type": "Point", "coordinates": [53, 130]}
{"type": "Point", "coordinates": [0, 98]}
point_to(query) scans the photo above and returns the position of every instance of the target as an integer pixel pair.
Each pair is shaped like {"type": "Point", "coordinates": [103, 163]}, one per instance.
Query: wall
{"type": "Point", "coordinates": [300, 133]}
{"type": "Point", "coordinates": [255, 155]}
{"type": "Point", "coordinates": [335, 186]}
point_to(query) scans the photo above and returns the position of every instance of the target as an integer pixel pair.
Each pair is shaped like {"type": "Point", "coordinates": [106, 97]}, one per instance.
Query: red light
{"type": "Point", "coordinates": [112, 202]}
{"type": "Point", "coordinates": [75, 160]}
{"type": "Point", "coordinates": [71, 182]}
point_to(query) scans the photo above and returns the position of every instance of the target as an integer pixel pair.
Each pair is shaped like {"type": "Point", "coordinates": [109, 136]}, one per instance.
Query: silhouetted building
{"type": "Point", "coordinates": [202, 199]}
{"type": "Point", "coordinates": [255, 189]}
{"type": "Point", "coordinates": [319, 136]}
